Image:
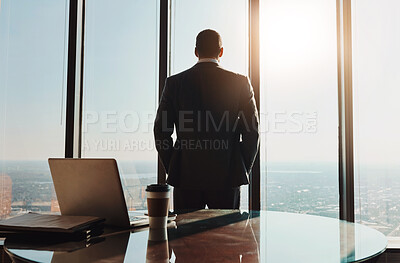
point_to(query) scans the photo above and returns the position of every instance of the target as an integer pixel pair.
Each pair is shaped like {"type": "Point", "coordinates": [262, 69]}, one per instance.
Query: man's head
{"type": "Point", "coordinates": [208, 44]}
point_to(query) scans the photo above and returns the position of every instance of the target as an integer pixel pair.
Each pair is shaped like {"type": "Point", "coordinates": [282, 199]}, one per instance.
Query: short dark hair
{"type": "Point", "coordinates": [208, 43]}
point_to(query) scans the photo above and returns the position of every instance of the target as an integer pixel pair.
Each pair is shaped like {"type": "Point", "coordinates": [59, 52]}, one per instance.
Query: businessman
{"type": "Point", "coordinates": [214, 115]}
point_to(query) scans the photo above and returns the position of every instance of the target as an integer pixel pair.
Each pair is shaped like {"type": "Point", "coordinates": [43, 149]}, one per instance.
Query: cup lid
{"type": "Point", "coordinates": [158, 188]}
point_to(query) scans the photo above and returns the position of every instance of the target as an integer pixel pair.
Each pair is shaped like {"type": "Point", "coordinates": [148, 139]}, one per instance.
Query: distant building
{"type": "Point", "coordinates": [55, 207]}
{"type": "Point", "coordinates": [5, 195]}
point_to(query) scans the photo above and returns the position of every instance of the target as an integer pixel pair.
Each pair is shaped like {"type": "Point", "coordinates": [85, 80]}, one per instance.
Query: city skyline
{"type": "Point", "coordinates": [306, 188]}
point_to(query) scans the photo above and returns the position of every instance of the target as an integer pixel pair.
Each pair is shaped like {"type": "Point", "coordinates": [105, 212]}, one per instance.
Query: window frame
{"type": "Point", "coordinates": [74, 96]}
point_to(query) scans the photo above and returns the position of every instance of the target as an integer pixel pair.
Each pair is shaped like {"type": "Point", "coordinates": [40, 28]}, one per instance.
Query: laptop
{"type": "Point", "coordinates": [92, 187]}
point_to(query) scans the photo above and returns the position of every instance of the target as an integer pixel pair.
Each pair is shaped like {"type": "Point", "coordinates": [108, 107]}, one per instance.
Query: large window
{"type": "Point", "coordinates": [121, 90]}
{"type": "Point", "coordinates": [189, 17]}
{"type": "Point", "coordinates": [32, 71]}
{"type": "Point", "coordinates": [299, 117]}
{"type": "Point", "coordinates": [376, 64]}
{"type": "Point", "coordinates": [298, 96]}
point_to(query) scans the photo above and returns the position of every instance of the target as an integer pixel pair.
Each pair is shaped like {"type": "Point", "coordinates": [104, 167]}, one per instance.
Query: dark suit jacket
{"type": "Point", "coordinates": [216, 122]}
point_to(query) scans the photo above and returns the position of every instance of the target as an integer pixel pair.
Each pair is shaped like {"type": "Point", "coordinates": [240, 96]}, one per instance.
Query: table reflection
{"type": "Point", "coordinates": [219, 236]}
{"type": "Point", "coordinates": [157, 246]}
{"type": "Point", "coordinates": [211, 239]}
{"type": "Point", "coordinates": [111, 248]}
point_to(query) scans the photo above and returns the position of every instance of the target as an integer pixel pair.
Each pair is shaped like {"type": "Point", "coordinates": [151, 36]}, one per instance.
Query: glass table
{"type": "Point", "coordinates": [219, 236]}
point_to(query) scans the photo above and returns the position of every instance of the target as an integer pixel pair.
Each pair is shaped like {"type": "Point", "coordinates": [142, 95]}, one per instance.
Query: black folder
{"type": "Point", "coordinates": [45, 223]}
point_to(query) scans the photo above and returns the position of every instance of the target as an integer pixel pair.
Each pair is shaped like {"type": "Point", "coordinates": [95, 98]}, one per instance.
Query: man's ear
{"type": "Point", "coordinates": [195, 52]}
{"type": "Point", "coordinates": [221, 52]}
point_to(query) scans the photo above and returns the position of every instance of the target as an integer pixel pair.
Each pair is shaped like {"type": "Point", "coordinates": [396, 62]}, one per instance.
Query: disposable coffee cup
{"type": "Point", "coordinates": [157, 204]}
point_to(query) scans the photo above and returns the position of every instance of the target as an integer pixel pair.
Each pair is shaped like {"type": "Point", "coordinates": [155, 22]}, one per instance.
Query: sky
{"type": "Point", "coordinates": [298, 75]}
{"type": "Point", "coordinates": [376, 60]}
{"type": "Point", "coordinates": [31, 79]}
{"type": "Point", "coordinates": [121, 79]}
{"type": "Point", "coordinates": [299, 79]}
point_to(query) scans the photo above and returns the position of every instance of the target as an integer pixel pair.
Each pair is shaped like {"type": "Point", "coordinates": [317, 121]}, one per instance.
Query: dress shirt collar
{"type": "Point", "coordinates": [208, 60]}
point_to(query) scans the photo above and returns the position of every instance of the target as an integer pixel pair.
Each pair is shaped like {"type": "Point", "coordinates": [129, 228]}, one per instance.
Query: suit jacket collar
{"type": "Point", "coordinates": [206, 65]}
{"type": "Point", "coordinates": [213, 60]}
